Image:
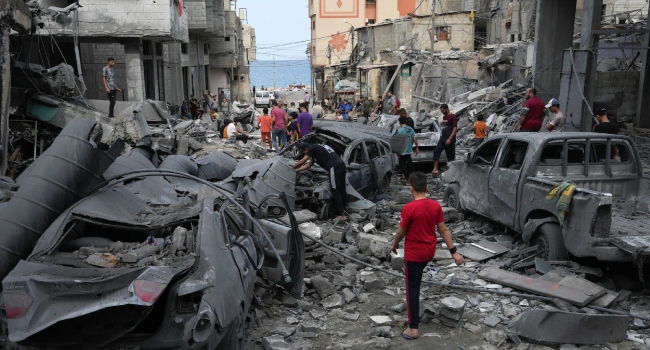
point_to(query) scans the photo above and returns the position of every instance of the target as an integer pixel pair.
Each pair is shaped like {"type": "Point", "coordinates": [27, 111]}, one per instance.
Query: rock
{"type": "Point", "coordinates": [103, 260]}
{"type": "Point", "coordinates": [323, 286]}
{"type": "Point", "coordinates": [450, 214]}
{"type": "Point", "coordinates": [333, 235]}
{"type": "Point", "coordinates": [472, 301]}
{"type": "Point", "coordinates": [275, 342]}
{"type": "Point", "coordinates": [474, 328]}
{"type": "Point", "coordinates": [317, 313]}
{"type": "Point", "coordinates": [364, 298]}
{"type": "Point", "coordinates": [382, 331]}
{"type": "Point", "coordinates": [453, 303]}
{"type": "Point", "coordinates": [378, 343]}
{"type": "Point", "coordinates": [380, 247]}
{"type": "Point", "coordinates": [495, 337]}
{"type": "Point", "coordinates": [342, 281]}
{"type": "Point", "coordinates": [491, 321]}
{"type": "Point", "coordinates": [304, 215]}
{"type": "Point", "coordinates": [568, 347]}
{"type": "Point", "coordinates": [368, 227]}
{"type": "Point", "coordinates": [510, 311]}
{"type": "Point", "coordinates": [306, 335]}
{"type": "Point", "coordinates": [348, 295]}
{"type": "Point", "coordinates": [397, 261]}
{"type": "Point", "coordinates": [381, 320]}
{"type": "Point", "coordinates": [332, 301]}
{"type": "Point", "coordinates": [372, 282]}
{"type": "Point", "coordinates": [350, 316]}
{"type": "Point", "coordinates": [284, 331]}
{"type": "Point", "coordinates": [388, 292]}
{"type": "Point", "coordinates": [310, 327]}
{"type": "Point", "coordinates": [399, 307]}
{"type": "Point", "coordinates": [524, 303]}
{"type": "Point", "coordinates": [310, 229]}
{"type": "Point", "coordinates": [289, 301]}
{"type": "Point", "coordinates": [292, 320]}
{"type": "Point", "coordinates": [304, 305]}
{"type": "Point", "coordinates": [365, 208]}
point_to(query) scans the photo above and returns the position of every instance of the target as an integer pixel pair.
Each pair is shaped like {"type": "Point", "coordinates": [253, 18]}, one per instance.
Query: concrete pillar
{"type": "Point", "coordinates": [643, 112]}
{"type": "Point", "coordinates": [553, 34]}
{"type": "Point", "coordinates": [134, 70]}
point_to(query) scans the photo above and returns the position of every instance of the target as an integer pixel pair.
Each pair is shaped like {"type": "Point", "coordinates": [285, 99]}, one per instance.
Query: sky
{"type": "Point", "coordinates": [282, 27]}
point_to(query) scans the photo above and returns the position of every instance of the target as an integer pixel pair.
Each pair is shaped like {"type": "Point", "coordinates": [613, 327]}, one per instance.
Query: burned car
{"type": "Point", "coordinates": [537, 162]}
{"type": "Point", "coordinates": [154, 260]}
{"type": "Point", "coordinates": [369, 161]}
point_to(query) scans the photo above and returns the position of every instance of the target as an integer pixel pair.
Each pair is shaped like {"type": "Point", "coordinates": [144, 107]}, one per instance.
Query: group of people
{"type": "Point", "coordinates": [345, 108]}
{"type": "Point", "coordinates": [284, 126]}
{"type": "Point", "coordinates": [210, 104]}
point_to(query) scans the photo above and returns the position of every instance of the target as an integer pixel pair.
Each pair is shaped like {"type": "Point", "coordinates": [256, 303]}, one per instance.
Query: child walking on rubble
{"type": "Point", "coordinates": [418, 223]}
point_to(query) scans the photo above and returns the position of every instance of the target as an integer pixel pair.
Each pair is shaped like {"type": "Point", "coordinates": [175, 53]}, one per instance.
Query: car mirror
{"type": "Point", "coordinates": [467, 157]}
{"type": "Point", "coordinates": [354, 166]}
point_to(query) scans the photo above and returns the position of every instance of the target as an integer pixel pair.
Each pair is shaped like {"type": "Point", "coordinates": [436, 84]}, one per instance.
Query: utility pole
{"type": "Point", "coordinates": [273, 72]}
{"type": "Point", "coordinates": [352, 37]}
{"type": "Point", "coordinates": [329, 54]}
{"type": "Point", "coordinates": [433, 26]}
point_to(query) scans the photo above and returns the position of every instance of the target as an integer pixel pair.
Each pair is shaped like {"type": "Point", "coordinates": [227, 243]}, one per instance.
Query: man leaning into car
{"type": "Point", "coordinates": [327, 159]}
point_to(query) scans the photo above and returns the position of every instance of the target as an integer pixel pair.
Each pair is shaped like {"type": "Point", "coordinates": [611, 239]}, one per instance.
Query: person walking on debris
{"type": "Point", "coordinates": [391, 104]}
{"type": "Point", "coordinates": [264, 122]}
{"type": "Point", "coordinates": [327, 159]}
{"type": "Point", "coordinates": [185, 111]}
{"type": "Point", "coordinates": [317, 111]}
{"type": "Point", "coordinates": [307, 98]}
{"type": "Point", "coordinates": [556, 121]}
{"type": "Point", "coordinates": [110, 86]}
{"type": "Point", "coordinates": [480, 131]}
{"type": "Point", "coordinates": [367, 108]}
{"type": "Point", "coordinates": [604, 126]}
{"type": "Point", "coordinates": [345, 109]}
{"type": "Point", "coordinates": [418, 223]}
{"type": "Point", "coordinates": [235, 133]}
{"type": "Point", "coordinates": [224, 106]}
{"type": "Point", "coordinates": [532, 113]}
{"type": "Point", "coordinates": [305, 121]}
{"type": "Point", "coordinates": [279, 127]}
{"type": "Point", "coordinates": [447, 141]}
{"type": "Point", "coordinates": [214, 104]}
{"type": "Point", "coordinates": [380, 106]}
{"type": "Point", "coordinates": [405, 160]}
{"type": "Point", "coordinates": [194, 107]}
{"type": "Point", "coordinates": [409, 121]}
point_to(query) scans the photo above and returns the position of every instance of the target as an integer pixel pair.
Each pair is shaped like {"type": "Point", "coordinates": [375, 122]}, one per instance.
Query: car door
{"type": "Point", "coordinates": [504, 182]}
{"type": "Point", "coordinates": [474, 182]}
{"type": "Point", "coordinates": [377, 161]}
{"type": "Point", "coordinates": [360, 174]}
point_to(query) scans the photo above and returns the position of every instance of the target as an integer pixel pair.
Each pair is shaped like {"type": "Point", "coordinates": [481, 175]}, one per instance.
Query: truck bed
{"type": "Point", "coordinates": [630, 233]}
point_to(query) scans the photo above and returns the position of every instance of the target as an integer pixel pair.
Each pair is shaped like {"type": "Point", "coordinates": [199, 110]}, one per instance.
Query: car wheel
{"type": "Point", "coordinates": [452, 196]}
{"type": "Point", "coordinates": [235, 337]}
{"type": "Point", "coordinates": [384, 184]}
{"type": "Point", "coordinates": [550, 244]}
{"type": "Point", "coordinates": [248, 128]}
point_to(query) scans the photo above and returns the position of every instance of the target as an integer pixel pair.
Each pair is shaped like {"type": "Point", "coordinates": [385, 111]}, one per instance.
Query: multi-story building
{"type": "Point", "coordinates": [164, 50]}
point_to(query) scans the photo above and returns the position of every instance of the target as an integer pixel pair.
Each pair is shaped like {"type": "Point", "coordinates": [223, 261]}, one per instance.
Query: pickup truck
{"type": "Point", "coordinates": [506, 179]}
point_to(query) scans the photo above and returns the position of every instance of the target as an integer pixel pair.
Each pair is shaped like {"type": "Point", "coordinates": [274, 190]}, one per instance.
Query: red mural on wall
{"type": "Point", "coordinates": [338, 41]}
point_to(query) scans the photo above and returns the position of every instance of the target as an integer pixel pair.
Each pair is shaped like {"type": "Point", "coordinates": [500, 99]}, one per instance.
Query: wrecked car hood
{"type": "Point", "coordinates": [397, 142]}
{"type": "Point", "coordinates": [66, 293]}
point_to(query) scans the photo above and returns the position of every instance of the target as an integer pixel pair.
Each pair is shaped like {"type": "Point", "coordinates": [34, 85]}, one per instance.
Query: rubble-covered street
{"type": "Point", "coordinates": [166, 182]}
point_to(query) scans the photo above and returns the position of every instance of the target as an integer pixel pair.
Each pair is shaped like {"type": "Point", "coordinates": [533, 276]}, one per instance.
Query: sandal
{"type": "Point", "coordinates": [407, 337]}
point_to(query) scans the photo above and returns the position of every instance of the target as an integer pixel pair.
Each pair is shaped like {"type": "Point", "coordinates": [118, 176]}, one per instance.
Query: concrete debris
{"type": "Point", "coordinates": [451, 311]}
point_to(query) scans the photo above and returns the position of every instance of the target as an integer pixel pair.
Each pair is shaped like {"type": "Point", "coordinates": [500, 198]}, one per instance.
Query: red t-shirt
{"type": "Point", "coordinates": [534, 111]}
{"type": "Point", "coordinates": [420, 219]}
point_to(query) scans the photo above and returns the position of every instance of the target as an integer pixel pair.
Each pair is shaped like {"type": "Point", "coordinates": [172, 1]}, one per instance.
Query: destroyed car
{"type": "Point", "coordinates": [369, 161]}
{"type": "Point", "coordinates": [536, 162]}
{"type": "Point", "coordinates": [149, 262]}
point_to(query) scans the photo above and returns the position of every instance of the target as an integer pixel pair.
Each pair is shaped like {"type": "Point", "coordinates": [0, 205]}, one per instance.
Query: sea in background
{"type": "Point", "coordinates": [286, 72]}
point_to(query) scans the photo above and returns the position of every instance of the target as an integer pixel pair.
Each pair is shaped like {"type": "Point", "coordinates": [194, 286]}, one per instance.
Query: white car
{"type": "Point", "coordinates": [262, 98]}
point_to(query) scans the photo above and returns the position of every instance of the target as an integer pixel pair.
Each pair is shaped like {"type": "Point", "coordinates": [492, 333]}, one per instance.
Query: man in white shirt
{"type": "Point", "coordinates": [556, 117]}
{"type": "Point", "coordinates": [235, 133]}
{"type": "Point", "coordinates": [236, 103]}
{"type": "Point", "coordinates": [317, 111]}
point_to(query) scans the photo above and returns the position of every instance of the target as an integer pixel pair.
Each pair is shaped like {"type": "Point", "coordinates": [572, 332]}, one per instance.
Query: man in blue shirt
{"type": "Point", "coordinates": [345, 110]}
{"type": "Point", "coordinates": [405, 160]}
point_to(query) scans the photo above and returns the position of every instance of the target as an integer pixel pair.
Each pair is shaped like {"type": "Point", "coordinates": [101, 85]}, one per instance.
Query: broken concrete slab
{"type": "Point", "coordinates": [483, 250]}
{"type": "Point", "coordinates": [381, 320]}
{"type": "Point", "coordinates": [323, 286]}
{"type": "Point", "coordinates": [583, 284]}
{"type": "Point", "coordinates": [310, 229]}
{"type": "Point", "coordinates": [538, 286]}
{"type": "Point", "coordinates": [570, 328]}
{"type": "Point", "coordinates": [332, 301]}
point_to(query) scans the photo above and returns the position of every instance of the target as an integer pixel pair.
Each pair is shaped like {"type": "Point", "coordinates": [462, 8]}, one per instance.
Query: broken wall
{"type": "Point", "coordinates": [93, 60]}
{"type": "Point", "coordinates": [619, 89]}
{"type": "Point", "coordinates": [460, 31]}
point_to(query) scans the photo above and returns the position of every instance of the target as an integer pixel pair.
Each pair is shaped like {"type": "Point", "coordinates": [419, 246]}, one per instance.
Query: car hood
{"type": "Point", "coordinates": [63, 293]}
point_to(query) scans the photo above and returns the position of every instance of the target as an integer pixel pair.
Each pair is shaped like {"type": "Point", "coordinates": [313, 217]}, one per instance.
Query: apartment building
{"type": "Point", "coordinates": [164, 50]}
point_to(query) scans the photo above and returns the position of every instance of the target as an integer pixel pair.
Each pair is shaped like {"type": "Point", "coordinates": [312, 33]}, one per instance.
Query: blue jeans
{"type": "Point", "coordinates": [282, 134]}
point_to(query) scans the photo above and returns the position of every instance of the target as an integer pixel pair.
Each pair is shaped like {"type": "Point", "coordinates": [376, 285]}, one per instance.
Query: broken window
{"type": "Point", "coordinates": [159, 49]}
{"type": "Point", "coordinates": [373, 150]}
{"type": "Point", "coordinates": [356, 156]}
{"type": "Point", "coordinates": [184, 48]}
{"type": "Point", "coordinates": [486, 153]}
{"type": "Point", "coordinates": [206, 49]}
{"type": "Point", "coordinates": [146, 47]}
{"type": "Point", "coordinates": [515, 155]}
{"type": "Point", "coordinates": [552, 153]}
{"type": "Point", "coordinates": [619, 152]}
{"type": "Point", "coordinates": [442, 33]}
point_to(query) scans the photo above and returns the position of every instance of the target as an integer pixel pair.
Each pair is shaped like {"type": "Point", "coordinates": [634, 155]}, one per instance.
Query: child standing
{"type": "Point", "coordinates": [480, 130]}
{"type": "Point", "coordinates": [264, 123]}
{"type": "Point", "coordinates": [292, 127]}
{"type": "Point", "coordinates": [418, 224]}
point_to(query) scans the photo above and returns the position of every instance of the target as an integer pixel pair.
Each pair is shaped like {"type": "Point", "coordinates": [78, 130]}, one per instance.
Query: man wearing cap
{"type": "Point", "coordinates": [532, 113]}
{"type": "Point", "coordinates": [327, 159]}
{"type": "Point", "coordinates": [447, 140]}
{"type": "Point", "coordinates": [556, 120]}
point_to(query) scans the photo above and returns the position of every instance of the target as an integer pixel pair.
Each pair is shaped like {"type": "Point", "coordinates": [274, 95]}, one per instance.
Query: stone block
{"type": "Point", "coordinates": [381, 320]}
{"type": "Point", "coordinates": [397, 261]}
{"type": "Point", "coordinates": [323, 286]}
{"type": "Point", "coordinates": [332, 301]}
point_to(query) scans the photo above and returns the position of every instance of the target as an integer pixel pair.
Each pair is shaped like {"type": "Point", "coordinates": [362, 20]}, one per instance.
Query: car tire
{"type": "Point", "coordinates": [325, 211]}
{"type": "Point", "coordinates": [384, 184]}
{"type": "Point", "coordinates": [248, 128]}
{"type": "Point", "coordinates": [235, 338]}
{"type": "Point", "coordinates": [550, 243]}
{"type": "Point", "coordinates": [452, 197]}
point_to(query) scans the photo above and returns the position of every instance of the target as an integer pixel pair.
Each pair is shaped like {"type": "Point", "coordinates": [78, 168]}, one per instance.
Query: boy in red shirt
{"type": "Point", "coordinates": [418, 224]}
{"type": "Point", "coordinates": [264, 122]}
